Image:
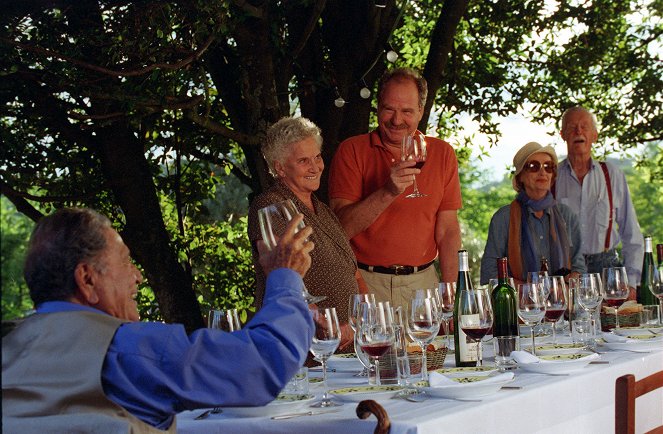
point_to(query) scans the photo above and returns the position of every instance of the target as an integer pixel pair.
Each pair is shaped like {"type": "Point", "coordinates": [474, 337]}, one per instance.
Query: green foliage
{"type": "Point", "coordinates": [15, 229]}
{"type": "Point", "coordinates": [646, 186]}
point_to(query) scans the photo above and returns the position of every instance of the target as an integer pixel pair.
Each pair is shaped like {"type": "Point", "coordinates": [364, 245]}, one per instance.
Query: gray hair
{"type": "Point", "coordinates": [405, 74]}
{"type": "Point", "coordinates": [58, 244]}
{"type": "Point", "coordinates": [576, 109]}
{"type": "Point", "coordinates": [284, 133]}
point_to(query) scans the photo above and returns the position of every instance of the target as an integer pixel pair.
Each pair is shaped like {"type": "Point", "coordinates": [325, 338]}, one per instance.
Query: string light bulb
{"type": "Point", "coordinates": [339, 102]}
{"type": "Point", "coordinates": [365, 92]}
{"type": "Point", "coordinates": [392, 55]}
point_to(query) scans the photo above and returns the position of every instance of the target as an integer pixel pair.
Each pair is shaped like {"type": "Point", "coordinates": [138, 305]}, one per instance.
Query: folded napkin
{"type": "Point", "coordinates": [435, 379]}
{"type": "Point", "coordinates": [523, 357]}
{"type": "Point", "coordinates": [612, 338]}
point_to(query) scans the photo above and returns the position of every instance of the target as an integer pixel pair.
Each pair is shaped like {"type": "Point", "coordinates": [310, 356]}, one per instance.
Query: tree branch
{"type": "Point", "coordinates": [308, 29]}
{"type": "Point", "coordinates": [22, 205]}
{"type": "Point", "coordinates": [218, 128]}
{"type": "Point", "coordinates": [251, 10]}
{"type": "Point", "coordinates": [116, 73]}
{"type": "Point", "coordinates": [235, 170]}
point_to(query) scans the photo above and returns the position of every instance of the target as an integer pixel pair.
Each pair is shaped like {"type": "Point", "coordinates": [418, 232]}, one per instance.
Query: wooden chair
{"type": "Point", "coordinates": [626, 391]}
{"type": "Point", "coordinates": [367, 407]}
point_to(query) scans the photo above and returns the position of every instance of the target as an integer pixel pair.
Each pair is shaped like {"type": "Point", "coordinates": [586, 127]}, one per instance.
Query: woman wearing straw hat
{"type": "Point", "coordinates": [534, 225]}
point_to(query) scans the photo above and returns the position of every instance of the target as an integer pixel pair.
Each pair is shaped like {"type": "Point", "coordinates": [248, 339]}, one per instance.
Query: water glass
{"type": "Point", "coordinates": [298, 384]}
{"type": "Point", "coordinates": [504, 346]}
{"type": "Point", "coordinates": [581, 331]}
{"type": "Point", "coordinates": [227, 320]}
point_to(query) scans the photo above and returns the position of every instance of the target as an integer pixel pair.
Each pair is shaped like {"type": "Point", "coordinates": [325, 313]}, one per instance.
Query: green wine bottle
{"type": "Point", "coordinates": [645, 296]}
{"type": "Point", "coordinates": [505, 303]}
{"type": "Point", "coordinates": [466, 352]}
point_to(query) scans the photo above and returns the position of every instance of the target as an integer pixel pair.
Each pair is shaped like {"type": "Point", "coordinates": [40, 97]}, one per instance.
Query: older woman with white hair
{"type": "Point", "coordinates": [534, 225]}
{"type": "Point", "coordinates": [292, 149]}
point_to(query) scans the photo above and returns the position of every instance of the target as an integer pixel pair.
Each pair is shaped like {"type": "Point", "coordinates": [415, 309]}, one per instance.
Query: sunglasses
{"type": "Point", "coordinates": [535, 166]}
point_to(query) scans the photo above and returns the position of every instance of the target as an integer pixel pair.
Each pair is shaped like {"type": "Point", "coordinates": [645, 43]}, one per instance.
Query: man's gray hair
{"type": "Point", "coordinates": [576, 109]}
{"type": "Point", "coordinates": [58, 244]}
{"type": "Point", "coordinates": [284, 133]}
{"type": "Point", "coordinates": [405, 74]}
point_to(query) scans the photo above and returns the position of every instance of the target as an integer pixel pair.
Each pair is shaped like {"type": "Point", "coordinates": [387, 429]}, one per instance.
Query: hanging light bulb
{"type": "Point", "coordinates": [392, 56]}
{"type": "Point", "coordinates": [339, 102]}
{"type": "Point", "coordinates": [365, 93]}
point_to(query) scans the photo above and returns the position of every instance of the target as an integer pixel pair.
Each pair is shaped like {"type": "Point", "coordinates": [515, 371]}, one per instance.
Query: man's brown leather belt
{"type": "Point", "coordinates": [398, 270]}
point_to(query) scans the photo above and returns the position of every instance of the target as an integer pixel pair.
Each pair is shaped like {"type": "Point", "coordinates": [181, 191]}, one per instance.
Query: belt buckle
{"type": "Point", "coordinates": [397, 269]}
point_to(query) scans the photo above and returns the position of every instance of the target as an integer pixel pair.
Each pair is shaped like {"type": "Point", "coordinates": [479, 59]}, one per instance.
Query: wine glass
{"type": "Point", "coordinates": [531, 306]}
{"type": "Point", "coordinates": [476, 316]}
{"type": "Point", "coordinates": [354, 312]}
{"type": "Point", "coordinates": [413, 148]}
{"type": "Point", "coordinates": [656, 288]}
{"type": "Point", "coordinates": [326, 338]}
{"type": "Point", "coordinates": [375, 334]}
{"type": "Point", "coordinates": [555, 302]}
{"type": "Point", "coordinates": [227, 320]}
{"type": "Point", "coordinates": [423, 323]}
{"type": "Point", "coordinates": [273, 220]}
{"type": "Point", "coordinates": [587, 290]}
{"type": "Point", "coordinates": [615, 288]}
{"type": "Point", "coordinates": [447, 296]}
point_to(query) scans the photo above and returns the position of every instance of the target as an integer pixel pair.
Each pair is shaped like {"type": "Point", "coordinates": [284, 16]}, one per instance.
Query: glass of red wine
{"type": "Point", "coordinates": [413, 148]}
{"type": "Point", "coordinates": [615, 288]}
{"type": "Point", "coordinates": [423, 322]}
{"type": "Point", "coordinates": [476, 313]}
{"type": "Point", "coordinates": [375, 333]}
{"type": "Point", "coordinates": [555, 301]}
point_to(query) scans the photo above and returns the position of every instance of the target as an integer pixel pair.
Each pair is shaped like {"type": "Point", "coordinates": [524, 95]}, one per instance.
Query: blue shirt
{"type": "Point", "coordinates": [156, 370]}
{"type": "Point", "coordinates": [589, 201]}
{"type": "Point", "coordinates": [498, 237]}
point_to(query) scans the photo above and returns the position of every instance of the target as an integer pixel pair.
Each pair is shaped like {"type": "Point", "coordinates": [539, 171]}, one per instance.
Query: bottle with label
{"type": "Point", "coordinates": [505, 303]}
{"type": "Point", "coordinates": [659, 254]}
{"type": "Point", "coordinates": [645, 296]}
{"type": "Point", "coordinates": [466, 352]}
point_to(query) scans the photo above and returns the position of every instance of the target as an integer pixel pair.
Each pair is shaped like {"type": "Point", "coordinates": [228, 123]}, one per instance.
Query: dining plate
{"type": "Point", "coordinates": [636, 343]}
{"type": "Point", "coordinates": [359, 393]}
{"type": "Point", "coordinates": [559, 363]}
{"type": "Point", "coordinates": [642, 330]}
{"type": "Point", "coordinates": [469, 386]}
{"type": "Point", "coordinates": [282, 404]}
{"type": "Point", "coordinates": [471, 370]}
{"type": "Point", "coordinates": [344, 362]}
{"type": "Point", "coordinates": [559, 349]}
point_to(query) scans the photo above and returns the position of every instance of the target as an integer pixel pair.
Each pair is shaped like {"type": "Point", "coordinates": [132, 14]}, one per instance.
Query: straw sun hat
{"type": "Point", "coordinates": [523, 155]}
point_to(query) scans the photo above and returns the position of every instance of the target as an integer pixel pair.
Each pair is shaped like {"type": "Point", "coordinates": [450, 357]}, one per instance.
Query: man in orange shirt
{"type": "Point", "coordinates": [397, 239]}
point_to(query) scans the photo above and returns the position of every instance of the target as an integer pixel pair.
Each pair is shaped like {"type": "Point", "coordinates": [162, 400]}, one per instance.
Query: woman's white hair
{"type": "Point", "coordinates": [282, 134]}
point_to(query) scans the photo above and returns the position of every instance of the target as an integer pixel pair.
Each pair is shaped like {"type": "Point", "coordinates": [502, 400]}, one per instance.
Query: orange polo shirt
{"type": "Point", "coordinates": [404, 234]}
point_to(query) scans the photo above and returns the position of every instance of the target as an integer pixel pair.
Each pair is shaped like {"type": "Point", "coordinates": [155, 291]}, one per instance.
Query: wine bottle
{"type": "Point", "coordinates": [544, 265]}
{"type": "Point", "coordinates": [645, 296]}
{"type": "Point", "coordinates": [505, 303]}
{"type": "Point", "coordinates": [659, 254]}
{"type": "Point", "coordinates": [466, 353]}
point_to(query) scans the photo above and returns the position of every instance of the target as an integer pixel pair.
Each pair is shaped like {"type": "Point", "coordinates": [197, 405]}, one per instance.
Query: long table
{"type": "Point", "coordinates": [582, 402]}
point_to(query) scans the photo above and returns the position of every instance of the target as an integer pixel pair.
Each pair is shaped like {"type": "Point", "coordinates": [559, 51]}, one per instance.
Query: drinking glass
{"type": "Point", "coordinates": [402, 356]}
{"type": "Point", "coordinates": [375, 334]}
{"type": "Point", "coordinates": [413, 148]}
{"type": "Point", "coordinates": [555, 301]}
{"type": "Point", "coordinates": [423, 322]}
{"type": "Point", "coordinates": [587, 290]}
{"type": "Point", "coordinates": [615, 288]}
{"type": "Point", "coordinates": [326, 338]}
{"type": "Point", "coordinates": [353, 317]}
{"type": "Point", "coordinates": [227, 320]}
{"type": "Point", "coordinates": [447, 295]}
{"type": "Point", "coordinates": [476, 314]}
{"type": "Point", "coordinates": [656, 288]}
{"type": "Point", "coordinates": [273, 220]}
{"type": "Point", "coordinates": [531, 306]}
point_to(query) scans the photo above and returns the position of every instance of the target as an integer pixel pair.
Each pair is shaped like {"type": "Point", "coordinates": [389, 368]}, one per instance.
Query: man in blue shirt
{"type": "Point", "coordinates": [85, 363]}
{"type": "Point", "coordinates": [604, 209]}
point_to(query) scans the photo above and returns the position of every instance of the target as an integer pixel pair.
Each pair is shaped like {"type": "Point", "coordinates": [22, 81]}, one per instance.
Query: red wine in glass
{"type": "Point", "coordinates": [419, 164]}
{"type": "Point", "coordinates": [476, 333]}
{"type": "Point", "coordinates": [553, 315]}
{"type": "Point", "coordinates": [614, 302]}
{"type": "Point", "coordinates": [377, 349]}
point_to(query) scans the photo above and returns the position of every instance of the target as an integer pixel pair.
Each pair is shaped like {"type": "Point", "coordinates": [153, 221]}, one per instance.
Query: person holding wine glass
{"type": "Point", "coordinates": [292, 149]}
{"type": "Point", "coordinates": [397, 239]}
{"type": "Point", "coordinates": [534, 225]}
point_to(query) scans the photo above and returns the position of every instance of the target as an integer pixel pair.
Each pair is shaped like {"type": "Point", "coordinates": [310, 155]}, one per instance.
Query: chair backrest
{"type": "Point", "coordinates": [626, 391]}
{"type": "Point", "coordinates": [367, 407]}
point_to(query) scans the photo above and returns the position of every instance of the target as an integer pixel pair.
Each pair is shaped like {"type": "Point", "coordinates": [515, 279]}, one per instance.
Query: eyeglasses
{"type": "Point", "coordinates": [535, 166]}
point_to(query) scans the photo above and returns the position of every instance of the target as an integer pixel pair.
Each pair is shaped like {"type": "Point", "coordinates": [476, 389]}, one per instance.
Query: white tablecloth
{"type": "Point", "coordinates": [582, 402]}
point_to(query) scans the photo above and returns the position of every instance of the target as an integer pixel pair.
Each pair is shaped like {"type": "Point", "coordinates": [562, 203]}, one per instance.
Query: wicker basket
{"type": "Point", "coordinates": [434, 360]}
{"type": "Point", "coordinates": [629, 320]}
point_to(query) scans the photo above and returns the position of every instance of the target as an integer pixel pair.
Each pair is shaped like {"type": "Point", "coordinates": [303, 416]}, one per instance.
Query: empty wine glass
{"type": "Point", "coordinates": [587, 290]}
{"type": "Point", "coordinates": [656, 288]}
{"type": "Point", "coordinates": [476, 316]}
{"type": "Point", "coordinates": [447, 296]}
{"type": "Point", "coordinates": [413, 148]}
{"type": "Point", "coordinates": [615, 288]}
{"type": "Point", "coordinates": [227, 320]}
{"type": "Point", "coordinates": [531, 306]}
{"type": "Point", "coordinates": [423, 323]}
{"type": "Point", "coordinates": [273, 219]}
{"type": "Point", "coordinates": [326, 338]}
{"type": "Point", "coordinates": [375, 334]}
{"type": "Point", "coordinates": [555, 301]}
